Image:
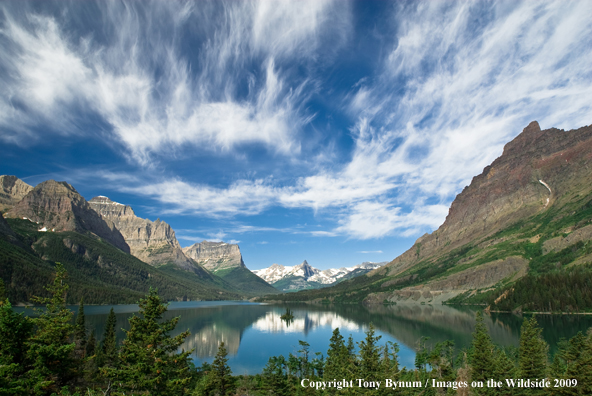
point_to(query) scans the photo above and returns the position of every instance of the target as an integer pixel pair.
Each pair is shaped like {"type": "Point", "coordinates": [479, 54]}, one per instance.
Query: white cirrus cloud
{"type": "Point", "coordinates": [153, 97]}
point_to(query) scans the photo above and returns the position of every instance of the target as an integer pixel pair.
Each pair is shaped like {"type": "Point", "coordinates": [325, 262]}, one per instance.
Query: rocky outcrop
{"type": "Point", "coordinates": [535, 170]}
{"type": "Point", "coordinates": [152, 242]}
{"type": "Point", "coordinates": [215, 256]}
{"type": "Point", "coordinates": [12, 190]}
{"type": "Point", "coordinates": [226, 261]}
{"type": "Point", "coordinates": [57, 206]}
{"type": "Point", "coordinates": [540, 174]}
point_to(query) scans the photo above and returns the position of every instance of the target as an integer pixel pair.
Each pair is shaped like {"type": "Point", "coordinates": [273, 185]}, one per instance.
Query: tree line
{"type": "Point", "coordinates": [53, 355]}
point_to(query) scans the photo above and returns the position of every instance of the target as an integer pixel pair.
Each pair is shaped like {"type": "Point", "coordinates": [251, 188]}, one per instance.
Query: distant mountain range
{"type": "Point", "coordinates": [303, 276]}
{"type": "Point", "coordinates": [111, 255]}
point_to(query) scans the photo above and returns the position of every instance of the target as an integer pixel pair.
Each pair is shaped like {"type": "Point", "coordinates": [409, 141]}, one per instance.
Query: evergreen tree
{"type": "Point", "coordinates": [370, 356]}
{"type": "Point", "coordinates": [148, 360]}
{"type": "Point", "coordinates": [389, 368]}
{"type": "Point", "coordinates": [481, 356]}
{"type": "Point", "coordinates": [337, 357]}
{"type": "Point", "coordinates": [91, 344]}
{"type": "Point", "coordinates": [351, 366]}
{"type": "Point", "coordinates": [218, 381]}
{"type": "Point", "coordinates": [14, 331]}
{"type": "Point", "coordinates": [574, 361]}
{"type": "Point", "coordinates": [49, 350]}
{"type": "Point", "coordinates": [304, 362]}
{"type": "Point", "coordinates": [533, 353]}
{"type": "Point", "coordinates": [109, 350]}
{"type": "Point", "coordinates": [504, 366]}
{"type": "Point", "coordinates": [80, 332]}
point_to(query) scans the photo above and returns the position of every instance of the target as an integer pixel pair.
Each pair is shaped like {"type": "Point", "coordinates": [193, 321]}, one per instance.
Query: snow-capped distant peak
{"type": "Point", "coordinates": [306, 274]}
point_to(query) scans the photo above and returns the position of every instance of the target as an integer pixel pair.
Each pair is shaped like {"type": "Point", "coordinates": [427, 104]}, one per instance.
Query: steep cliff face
{"type": "Point", "coordinates": [152, 242]}
{"type": "Point", "coordinates": [12, 190]}
{"type": "Point", "coordinates": [57, 206]}
{"type": "Point", "coordinates": [538, 170]}
{"type": "Point", "coordinates": [215, 256]}
{"type": "Point", "coordinates": [226, 261]}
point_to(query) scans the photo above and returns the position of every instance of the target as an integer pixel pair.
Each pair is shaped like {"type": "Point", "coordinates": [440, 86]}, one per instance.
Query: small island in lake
{"type": "Point", "coordinates": [288, 315]}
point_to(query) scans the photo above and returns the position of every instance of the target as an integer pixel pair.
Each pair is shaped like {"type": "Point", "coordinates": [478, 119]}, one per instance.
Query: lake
{"type": "Point", "coordinates": [254, 332]}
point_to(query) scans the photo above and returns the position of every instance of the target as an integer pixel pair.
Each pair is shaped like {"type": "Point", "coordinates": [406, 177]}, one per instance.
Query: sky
{"type": "Point", "coordinates": [329, 131]}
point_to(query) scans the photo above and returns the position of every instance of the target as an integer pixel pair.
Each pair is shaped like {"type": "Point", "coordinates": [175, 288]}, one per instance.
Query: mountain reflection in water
{"type": "Point", "coordinates": [253, 332]}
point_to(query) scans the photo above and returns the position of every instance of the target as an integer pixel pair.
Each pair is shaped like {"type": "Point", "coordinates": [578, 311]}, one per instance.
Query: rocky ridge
{"type": "Point", "coordinates": [215, 256]}
{"type": "Point", "coordinates": [538, 171]}
{"type": "Point", "coordinates": [12, 190]}
{"type": "Point", "coordinates": [226, 261]}
{"type": "Point", "coordinates": [152, 242]}
{"type": "Point", "coordinates": [57, 206]}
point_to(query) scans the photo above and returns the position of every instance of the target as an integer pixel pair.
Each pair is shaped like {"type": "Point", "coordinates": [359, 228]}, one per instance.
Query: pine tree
{"type": "Point", "coordinates": [481, 356]}
{"type": "Point", "coordinates": [91, 344]}
{"type": "Point", "coordinates": [148, 360]}
{"type": "Point", "coordinates": [533, 353]}
{"type": "Point", "coordinates": [370, 356]}
{"type": "Point", "coordinates": [49, 350]}
{"type": "Point", "coordinates": [337, 357]}
{"type": "Point", "coordinates": [219, 382]}
{"type": "Point", "coordinates": [14, 331]}
{"type": "Point", "coordinates": [80, 332]}
{"type": "Point", "coordinates": [109, 350]}
{"type": "Point", "coordinates": [351, 365]}
{"type": "Point", "coordinates": [389, 368]}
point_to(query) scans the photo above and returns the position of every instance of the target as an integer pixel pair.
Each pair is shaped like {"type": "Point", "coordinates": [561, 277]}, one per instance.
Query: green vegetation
{"type": "Point", "coordinates": [288, 315]}
{"type": "Point", "coordinates": [43, 356]}
{"type": "Point", "coordinates": [245, 281]}
{"type": "Point", "coordinates": [100, 273]}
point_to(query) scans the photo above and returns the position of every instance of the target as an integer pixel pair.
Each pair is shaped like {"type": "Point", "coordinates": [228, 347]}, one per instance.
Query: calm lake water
{"type": "Point", "coordinates": [254, 332]}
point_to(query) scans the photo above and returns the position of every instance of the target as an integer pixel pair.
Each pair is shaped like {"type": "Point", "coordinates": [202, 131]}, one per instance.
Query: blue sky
{"type": "Point", "coordinates": [332, 131]}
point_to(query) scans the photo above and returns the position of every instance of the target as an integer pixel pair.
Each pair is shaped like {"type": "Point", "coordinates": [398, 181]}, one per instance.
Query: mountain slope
{"type": "Point", "coordinates": [98, 271]}
{"type": "Point", "coordinates": [528, 214]}
{"type": "Point", "coordinates": [12, 190]}
{"type": "Point", "coordinates": [57, 206]}
{"type": "Point", "coordinates": [225, 261]}
{"type": "Point", "coordinates": [152, 242]}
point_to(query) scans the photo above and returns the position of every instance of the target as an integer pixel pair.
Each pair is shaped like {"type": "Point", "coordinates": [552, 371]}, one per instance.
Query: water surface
{"type": "Point", "coordinates": [254, 332]}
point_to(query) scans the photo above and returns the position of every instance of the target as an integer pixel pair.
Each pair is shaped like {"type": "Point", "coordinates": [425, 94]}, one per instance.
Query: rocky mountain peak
{"type": "Point", "coordinates": [59, 207]}
{"type": "Point", "coordinates": [12, 190]}
{"type": "Point", "coordinates": [152, 242]}
{"type": "Point", "coordinates": [215, 256]}
{"type": "Point", "coordinates": [110, 209]}
{"type": "Point", "coordinates": [524, 141]}
{"type": "Point", "coordinates": [536, 170]}
{"type": "Point", "coordinates": [307, 269]}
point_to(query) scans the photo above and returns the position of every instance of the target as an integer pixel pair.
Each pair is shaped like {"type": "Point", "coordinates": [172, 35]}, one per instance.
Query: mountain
{"type": "Point", "coordinates": [527, 218]}
{"type": "Point", "coordinates": [225, 261]}
{"type": "Point", "coordinates": [97, 271]}
{"type": "Point", "coordinates": [152, 242]}
{"type": "Point", "coordinates": [57, 207]}
{"type": "Point", "coordinates": [12, 190]}
{"type": "Point", "coordinates": [303, 276]}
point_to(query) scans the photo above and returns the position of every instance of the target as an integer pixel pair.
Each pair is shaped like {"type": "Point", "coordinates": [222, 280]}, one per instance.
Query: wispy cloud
{"type": "Point", "coordinates": [370, 251]}
{"type": "Point", "coordinates": [154, 98]}
{"type": "Point", "coordinates": [455, 82]}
